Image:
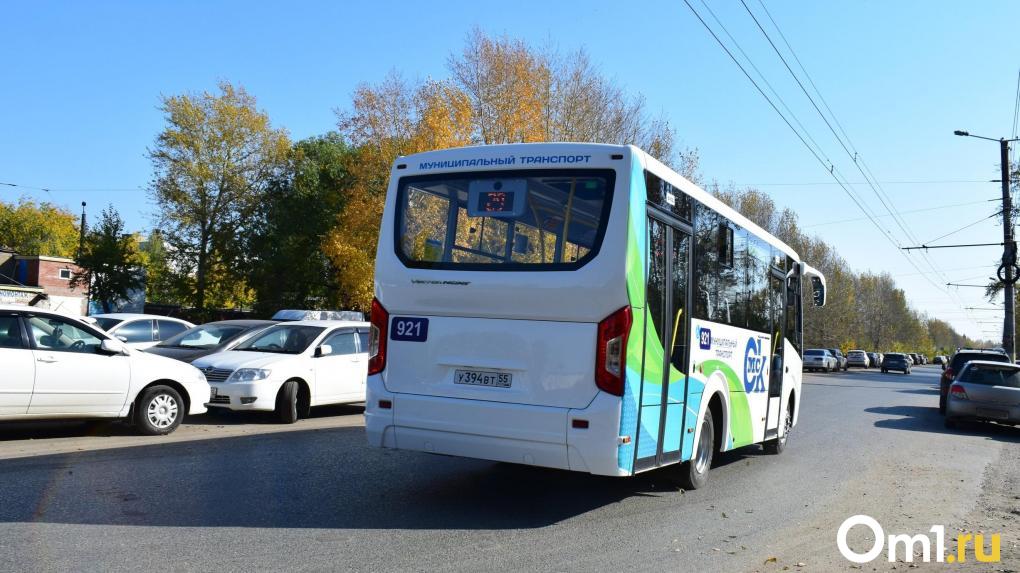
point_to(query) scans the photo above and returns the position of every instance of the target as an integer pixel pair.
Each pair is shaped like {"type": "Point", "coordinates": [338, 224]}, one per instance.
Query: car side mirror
{"type": "Point", "coordinates": [323, 350]}
{"type": "Point", "coordinates": [109, 346]}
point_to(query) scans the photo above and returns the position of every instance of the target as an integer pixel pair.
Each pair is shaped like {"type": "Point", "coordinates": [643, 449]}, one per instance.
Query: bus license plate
{"type": "Point", "coordinates": [482, 378]}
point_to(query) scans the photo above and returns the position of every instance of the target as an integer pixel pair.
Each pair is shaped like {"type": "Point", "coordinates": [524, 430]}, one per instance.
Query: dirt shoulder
{"type": "Point", "coordinates": [956, 490]}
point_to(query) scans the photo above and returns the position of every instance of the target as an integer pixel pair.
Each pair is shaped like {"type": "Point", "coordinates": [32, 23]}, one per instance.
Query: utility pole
{"type": "Point", "coordinates": [1008, 273]}
{"type": "Point", "coordinates": [1008, 257]}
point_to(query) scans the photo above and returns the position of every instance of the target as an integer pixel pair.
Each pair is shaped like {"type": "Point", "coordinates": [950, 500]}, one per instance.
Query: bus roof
{"type": "Point", "coordinates": [518, 155]}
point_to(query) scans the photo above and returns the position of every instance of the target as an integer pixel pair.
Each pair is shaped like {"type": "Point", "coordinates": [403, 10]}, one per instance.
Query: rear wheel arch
{"type": "Point", "coordinates": [720, 419]}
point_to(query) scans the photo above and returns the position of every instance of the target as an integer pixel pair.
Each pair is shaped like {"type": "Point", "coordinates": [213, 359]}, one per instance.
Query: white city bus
{"type": "Point", "coordinates": [578, 306]}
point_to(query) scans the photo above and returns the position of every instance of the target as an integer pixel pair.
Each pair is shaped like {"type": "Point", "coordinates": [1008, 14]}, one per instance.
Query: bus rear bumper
{"type": "Point", "coordinates": [515, 433]}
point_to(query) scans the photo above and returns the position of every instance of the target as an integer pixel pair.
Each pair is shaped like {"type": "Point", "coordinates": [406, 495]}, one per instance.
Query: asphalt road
{"type": "Point", "coordinates": [243, 494]}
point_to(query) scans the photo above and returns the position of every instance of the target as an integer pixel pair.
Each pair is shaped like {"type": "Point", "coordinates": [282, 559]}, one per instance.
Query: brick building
{"type": "Point", "coordinates": [35, 280]}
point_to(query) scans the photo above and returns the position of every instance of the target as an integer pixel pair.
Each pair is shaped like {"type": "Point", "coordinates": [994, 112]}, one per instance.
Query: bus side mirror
{"type": "Point", "coordinates": [818, 290]}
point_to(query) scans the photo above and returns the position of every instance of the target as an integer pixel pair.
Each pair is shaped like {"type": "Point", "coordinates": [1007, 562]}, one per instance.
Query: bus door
{"type": "Point", "coordinates": [666, 338]}
{"type": "Point", "coordinates": [777, 366]}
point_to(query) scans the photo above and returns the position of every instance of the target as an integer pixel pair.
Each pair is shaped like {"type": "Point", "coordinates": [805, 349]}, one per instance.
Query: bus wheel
{"type": "Point", "coordinates": [694, 473]}
{"type": "Point", "coordinates": [776, 446]}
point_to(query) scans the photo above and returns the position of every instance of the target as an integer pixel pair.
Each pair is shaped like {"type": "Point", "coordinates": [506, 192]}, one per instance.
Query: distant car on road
{"type": "Point", "coordinates": [985, 390]}
{"type": "Point", "coordinates": [840, 359]}
{"type": "Point", "coordinates": [56, 366]}
{"type": "Point", "coordinates": [896, 361]}
{"type": "Point", "coordinates": [816, 359]}
{"type": "Point", "coordinates": [857, 358]}
{"type": "Point", "coordinates": [955, 365]}
{"type": "Point", "coordinates": [141, 331]}
{"type": "Point", "coordinates": [290, 367]}
{"type": "Point", "coordinates": [208, 338]}
{"type": "Point", "coordinates": [939, 359]}
{"type": "Point", "coordinates": [875, 359]}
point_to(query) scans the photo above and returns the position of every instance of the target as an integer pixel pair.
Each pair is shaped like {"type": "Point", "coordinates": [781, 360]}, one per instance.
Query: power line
{"type": "Point", "coordinates": [979, 221]}
{"type": "Point", "coordinates": [862, 167]}
{"type": "Point", "coordinates": [831, 168]}
{"type": "Point", "coordinates": [903, 212]}
{"type": "Point", "coordinates": [896, 182]}
{"type": "Point", "coordinates": [71, 190]}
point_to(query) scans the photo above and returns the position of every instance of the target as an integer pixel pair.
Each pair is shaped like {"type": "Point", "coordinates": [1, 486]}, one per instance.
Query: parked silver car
{"type": "Point", "coordinates": [820, 359]}
{"type": "Point", "coordinates": [985, 390]}
{"type": "Point", "coordinates": [858, 359]}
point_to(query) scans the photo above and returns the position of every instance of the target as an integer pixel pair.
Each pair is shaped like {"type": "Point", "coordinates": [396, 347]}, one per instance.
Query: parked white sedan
{"type": "Point", "coordinates": [290, 367]}
{"type": "Point", "coordinates": [57, 366]}
{"type": "Point", "coordinates": [141, 331]}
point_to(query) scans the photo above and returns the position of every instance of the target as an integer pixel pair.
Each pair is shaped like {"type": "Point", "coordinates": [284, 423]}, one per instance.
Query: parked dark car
{"type": "Point", "coordinates": [840, 359]}
{"type": "Point", "coordinates": [208, 338]}
{"type": "Point", "coordinates": [896, 361]}
{"type": "Point", "coordinates": [955, 364]}
{"type": "Point", "coordinates": [875, 358]}
{"type": "Point", "coordinates": [985, 390]}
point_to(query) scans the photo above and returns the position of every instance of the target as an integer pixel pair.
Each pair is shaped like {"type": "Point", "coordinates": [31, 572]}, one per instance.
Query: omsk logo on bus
{"type": "Point", "coordinates": [704, 338]}
{"type": "Point", "coordinates": [754, 367]}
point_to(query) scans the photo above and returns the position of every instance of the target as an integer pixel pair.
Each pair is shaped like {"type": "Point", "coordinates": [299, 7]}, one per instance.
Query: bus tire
{"type": "Point", "coordinates": [287, 403]}
{"type": "Point", "coordinates": [776, 446]}
{"type": "Point", "coordinates": [694, 473]}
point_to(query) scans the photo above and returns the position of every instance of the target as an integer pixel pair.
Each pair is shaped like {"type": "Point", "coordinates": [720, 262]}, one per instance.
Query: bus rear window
{"type": "Point", "coordinates": [503, 220]}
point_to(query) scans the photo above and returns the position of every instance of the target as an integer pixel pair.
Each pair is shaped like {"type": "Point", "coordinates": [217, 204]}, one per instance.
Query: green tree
{"type": "Point", "coordinates": [32, 228]}
{"type": "Point", "coordinates": [110, 265]}
{"type": "Point", "coordinates": [162, 285]}
{"type": "Point", "coordinates": [212, 165]}
{"type": "Point", "coordinates": [299, 209]}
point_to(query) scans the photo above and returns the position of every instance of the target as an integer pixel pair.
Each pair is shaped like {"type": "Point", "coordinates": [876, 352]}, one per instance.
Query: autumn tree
{"type": "Point", "coordinates": [862, 310]}
{"type": "Point", "coordinates": [38, 228]}
{"type": "Point", "coordinates": [212, 164]}
{"type": "Point", "coordinates": [500, 90]}
{"type": "Point", "coordinates": [109, 262]}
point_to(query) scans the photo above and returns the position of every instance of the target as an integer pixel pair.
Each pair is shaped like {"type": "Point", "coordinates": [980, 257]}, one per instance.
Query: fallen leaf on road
{"type": "Point", "coordinates": [771, 560]}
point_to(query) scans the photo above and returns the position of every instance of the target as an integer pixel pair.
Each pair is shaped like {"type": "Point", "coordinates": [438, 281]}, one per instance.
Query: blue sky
{"type": "Point", "coordinates": [81, 84]}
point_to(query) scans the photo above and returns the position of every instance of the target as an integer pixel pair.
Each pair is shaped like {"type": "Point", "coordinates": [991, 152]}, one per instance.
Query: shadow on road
{"type": "Point", "coordinates": [224, 417]}
{"type": "Point", "coordinates": [50, 429]}
{"type": "Point", "coordinates": [325, 478]}
{"type": "Point", "coordinates": [928, 419]}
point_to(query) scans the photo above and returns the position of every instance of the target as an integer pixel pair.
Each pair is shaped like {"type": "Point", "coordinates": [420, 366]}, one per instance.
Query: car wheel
{"type": "Point", "coordinates": [776, 446]}
{"type": "Point", "coordinates": [287, 402]}
{"type": "Point", "coordinates": [158, 411]}
{"type": "Point", "coordinates": [949, 423]}
{"type": "Point", "coordinates": [694, 473]}
{"type": "Point", "coordinates": [942, 404]}
{"type": "Point", "coordinates": [884, 371]}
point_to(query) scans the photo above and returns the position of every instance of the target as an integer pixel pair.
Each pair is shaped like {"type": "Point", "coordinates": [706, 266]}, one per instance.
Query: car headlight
{"type": "Point", "coordinates": [249, 375]}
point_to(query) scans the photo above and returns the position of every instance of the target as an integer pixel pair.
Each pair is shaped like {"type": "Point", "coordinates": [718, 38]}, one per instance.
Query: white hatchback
{"type": "Point", "coordinates": [57, 366]}
{"type": "Point", "coordinates": [290, 367]}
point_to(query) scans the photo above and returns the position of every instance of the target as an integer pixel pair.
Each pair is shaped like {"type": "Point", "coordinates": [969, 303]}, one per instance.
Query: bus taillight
{"type": "Point", "coordinates": [377, 338]}
{"type": "Point", "coordinates": [611, 352]}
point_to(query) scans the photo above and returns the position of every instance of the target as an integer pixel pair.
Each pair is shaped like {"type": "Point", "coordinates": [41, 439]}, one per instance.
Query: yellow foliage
{"type": "Point", "coordinates": [501, 91]}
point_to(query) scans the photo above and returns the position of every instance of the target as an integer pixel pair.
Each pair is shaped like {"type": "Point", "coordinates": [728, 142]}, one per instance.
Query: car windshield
{"type": "Point", "coordinates": [962, 358]}
{"type": "Point", "coordinates": [283, 339]}
{"type": "Point", "coordinates": [992, 376]}
{"type": "Point", "coordinates": [507, 220]}
{"type": "Point", "coordinates": [205, 336]}
{"type": "Point", "coordinates": [814, 353]}
{"type": "Point", "coordinates": [108, 323]}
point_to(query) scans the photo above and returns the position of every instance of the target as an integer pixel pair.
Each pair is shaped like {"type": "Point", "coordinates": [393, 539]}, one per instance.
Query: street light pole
{"type": "Point", "coordinates": [1007, 271]}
